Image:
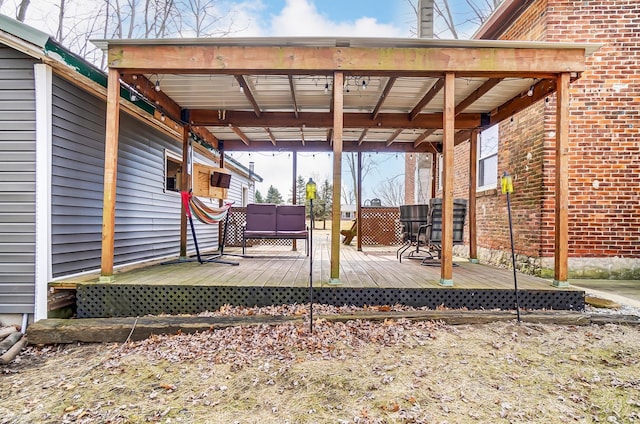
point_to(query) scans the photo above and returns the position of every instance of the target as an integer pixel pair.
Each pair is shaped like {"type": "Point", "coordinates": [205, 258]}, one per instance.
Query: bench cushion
{"type": "Point", "coordinates": [261, 217]}
{"type": "Point", "coordinates": [290, 218]}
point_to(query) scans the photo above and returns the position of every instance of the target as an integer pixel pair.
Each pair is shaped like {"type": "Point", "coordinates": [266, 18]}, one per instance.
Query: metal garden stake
{"type": "Point", "coordinates": [311, 195]}
{"type": "Point", "coordinates": [507, 188]}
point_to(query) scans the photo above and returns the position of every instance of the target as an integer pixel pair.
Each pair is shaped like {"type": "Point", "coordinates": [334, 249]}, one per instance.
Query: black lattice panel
{"type": "Point", "coordinates": [112, 300]}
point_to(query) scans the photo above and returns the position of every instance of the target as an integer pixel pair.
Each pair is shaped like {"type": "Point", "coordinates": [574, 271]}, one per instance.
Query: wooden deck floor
{"type": "Point", "coordinates": [273, 266]}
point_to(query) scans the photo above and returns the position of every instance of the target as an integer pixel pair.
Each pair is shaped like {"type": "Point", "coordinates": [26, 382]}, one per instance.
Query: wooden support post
{"type": "Point", "coordinates": [184, 186]}
{"type": "Point", "coordinates": [446, 269]}
{"type": "Point", "coordinates": [359, 205]}
{"type": "Point", "coordinates": [338, 105]}
{"type": "Point", "coordinates": [560, 274]}
{"type": "Point", "coordinates": [110, 176]}
{"type": "Point", "coordinates": [294, 189]}
{"type": "Point", "coordinates": [473, 184]}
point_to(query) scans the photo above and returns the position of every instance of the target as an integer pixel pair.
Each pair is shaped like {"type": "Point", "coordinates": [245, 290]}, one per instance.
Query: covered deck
{"type": "Point", "coordinates": [343, 95]}
{"type": "Point", "coordinates": [276, 274]}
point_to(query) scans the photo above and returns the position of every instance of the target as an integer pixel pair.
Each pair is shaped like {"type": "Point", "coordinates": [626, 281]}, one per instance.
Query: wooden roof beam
{"type": "Point", "coordinates": [180, 57]}
{"type": "Point", "coordinates": [383, 97]}
{"type": "Point", "coordinates": [461, 136]}
{"type": "Point", "coordinates": [248, 94]}
{"type": "Point", "coordinates": [148, 89]}
{"type": "Point", "coordinates": [271, 136]}
{"type": "Point", "coordinates": [293, 96]}
{"type": "Point", "coordinates": [325, 120]}
{"type": "Point", "coordinates": [423, 137]}
{"type": "Point", "coordinates": [395, 135]}
{"type": "Point", "coordinates": [362, 136]}
{"type": "Point", "coordinates": [204, 134]}
{"type": "Point", "coordinates": [540, 90]}
{"type": "Point", "coordinates": [240, 134]}
{"type": "Point", "coordinates": [431, 93]}
{"type": "Point", "coordinates": [477, 94]}
{"type": "Point", "coordinates": [315, 145]}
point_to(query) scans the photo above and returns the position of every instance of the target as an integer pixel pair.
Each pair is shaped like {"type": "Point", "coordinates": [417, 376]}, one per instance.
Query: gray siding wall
{"type": "Point", "coordinates": [147, 218]}
{"type": "Point", "coordinates": [17, 182]}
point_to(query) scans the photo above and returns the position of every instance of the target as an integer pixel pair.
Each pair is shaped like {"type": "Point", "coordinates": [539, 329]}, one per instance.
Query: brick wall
{"type": "Point", "coordinates": [604, 164]}
{"type": "Point", "coordinates": [604, 177]}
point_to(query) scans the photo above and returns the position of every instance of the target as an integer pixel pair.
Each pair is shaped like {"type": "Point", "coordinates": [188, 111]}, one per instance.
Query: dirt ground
{"type": "Point", "coordinates": [353, 372]}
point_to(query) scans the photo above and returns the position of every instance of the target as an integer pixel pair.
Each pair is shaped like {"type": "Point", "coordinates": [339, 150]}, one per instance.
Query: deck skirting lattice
{"type": "Point", "coordinates": [127, 300]}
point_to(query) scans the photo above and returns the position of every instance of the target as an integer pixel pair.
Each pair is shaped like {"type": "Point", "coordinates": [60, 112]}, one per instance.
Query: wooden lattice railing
{"type": "Point", "coordinates": [380, 226]}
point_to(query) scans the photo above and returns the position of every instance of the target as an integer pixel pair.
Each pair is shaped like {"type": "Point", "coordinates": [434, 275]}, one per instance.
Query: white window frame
{"type": "Point", "coordinates": [489, 153]}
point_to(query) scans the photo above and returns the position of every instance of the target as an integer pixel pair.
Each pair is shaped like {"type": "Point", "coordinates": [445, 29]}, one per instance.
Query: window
{"type": "Point", "coordinates": [245, 196]}
{"type": "Point", "coordinates": [488, 158]}
{"type": "Point", "coordinates": [172, 171]}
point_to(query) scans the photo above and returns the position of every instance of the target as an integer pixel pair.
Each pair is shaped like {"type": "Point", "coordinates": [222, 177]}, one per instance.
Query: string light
{"type": "Point", "coordinates": [364, 85]}
{"type": "Point", "coordinates": [241, 88]}
{"type": "Point", "coordinates": [326, 88]}
{"type": "Point", "coordinates": [157, 87]}
{"type": "Point", "coordinates": [530, 92]}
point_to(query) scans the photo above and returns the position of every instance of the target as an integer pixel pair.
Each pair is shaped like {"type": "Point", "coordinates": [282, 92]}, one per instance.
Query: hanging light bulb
{"type": "Point", "coordinates": [162, 117]}
{"type": "Point", "coordinates": [326, 88]}
{"type": "Point", "coordinates": [157, 87]}
{"type": "Point", "coordinates": [132, 96]}
{"type": "Point", "coordinates": [364, 85]}
{"type": "Point", "coordinates": [241, 88]}
{"type": "Point", "coordinates": [530, 92]}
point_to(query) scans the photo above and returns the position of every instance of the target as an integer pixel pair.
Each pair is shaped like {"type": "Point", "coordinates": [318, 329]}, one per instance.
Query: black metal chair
{"type": "Point", "coordinates": [432, 232]}
{"type": "Point", "coordinates": [412, 218]}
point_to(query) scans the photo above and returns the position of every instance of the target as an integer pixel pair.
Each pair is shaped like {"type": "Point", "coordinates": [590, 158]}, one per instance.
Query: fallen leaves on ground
{"type": "Point", "coordinates": [396, 371]}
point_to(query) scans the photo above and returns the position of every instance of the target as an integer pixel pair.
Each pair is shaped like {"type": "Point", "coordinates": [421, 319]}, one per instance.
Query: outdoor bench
{"type": "Point", "coordinates": [269, 221]}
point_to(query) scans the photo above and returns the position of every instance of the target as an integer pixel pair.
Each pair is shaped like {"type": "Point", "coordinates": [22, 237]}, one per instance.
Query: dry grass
{"type": "Point", "coordinates": [356, 372]}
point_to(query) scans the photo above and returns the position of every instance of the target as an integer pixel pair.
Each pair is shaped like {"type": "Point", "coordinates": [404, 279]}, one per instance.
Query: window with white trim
{"type": "Point", "coordinates": [488, 158]}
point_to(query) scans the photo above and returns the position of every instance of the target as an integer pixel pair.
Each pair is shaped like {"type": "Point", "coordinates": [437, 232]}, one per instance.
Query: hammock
{"type": "Point", "coordinates": [205, 213]}
{"type": "Point", "coordinates": [208, 215]}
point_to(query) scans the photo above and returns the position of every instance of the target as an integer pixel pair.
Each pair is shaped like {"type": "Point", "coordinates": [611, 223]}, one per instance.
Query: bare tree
{"type": "Point", "coordinates": [22, 10]}
{"type": "Point", "coordinates": [391, 191]}
{"type": "Point", "coordinates": [368, 164]}
{"type": "Point", "coordinates": [449, 24]}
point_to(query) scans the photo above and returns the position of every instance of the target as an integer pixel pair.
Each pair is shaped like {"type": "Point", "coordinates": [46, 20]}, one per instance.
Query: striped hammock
{"type": "Point", "coordinates": [205, 213]}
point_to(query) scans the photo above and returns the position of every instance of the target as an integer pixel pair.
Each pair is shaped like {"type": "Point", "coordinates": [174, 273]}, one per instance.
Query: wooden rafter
{"type": "Point", "coordinates": [478, 93]}
{"type": "Point", "coordinates": [292, 87]}
{"type": "Point", "coordinates": [395, 135]}
{"type": "Point", "coordinates": [248, 94]}
{"type": "Point", "coordinates": [325, 120]}
{"type": "Point", "coordinates": [540, 90]}
{"type": "Point", "coordinates": [147, 89]}
{"type": "Point", "coordinates": [240, 134]}
{"type": "Point", "coordinates": [271, 136]}
{"type": "Point", "coordinates": [423, 137]}
{"type": "Point", "coordinates": [461, 137]}
{"type": "Point", "coordinates": [363, 134]}
{"type": "Point", "coordinates": [383, 97]}
{"type": "Point", "coordinates": [205, 135]}
{"type": "Point", "coordinates": [431, 93]}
